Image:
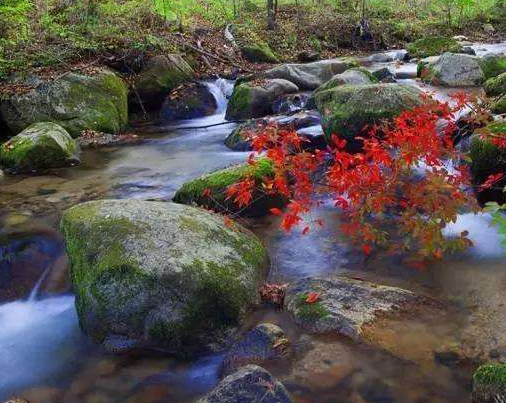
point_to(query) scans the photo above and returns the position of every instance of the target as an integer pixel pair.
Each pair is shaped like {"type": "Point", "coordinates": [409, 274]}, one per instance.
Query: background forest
{"type": "Point", "coordinates": [55, 32]}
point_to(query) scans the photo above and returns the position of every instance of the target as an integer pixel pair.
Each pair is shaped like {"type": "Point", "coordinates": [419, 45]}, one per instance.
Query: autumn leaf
{"type": "Point", "coordinates": [312, 298]}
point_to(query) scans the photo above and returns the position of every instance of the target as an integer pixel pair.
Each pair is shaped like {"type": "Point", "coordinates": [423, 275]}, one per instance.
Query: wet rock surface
{"type": "Point", "coordinates": [250, 384]}
{"type": "Point", "coordinates": [189, 101]}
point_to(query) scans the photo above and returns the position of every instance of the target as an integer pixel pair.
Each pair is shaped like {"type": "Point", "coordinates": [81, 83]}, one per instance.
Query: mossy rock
{"type": "Point", "coordinates": [218, 182]}
{"type": "Point", "coordinates": [159, 76]}
{"type": "Point", "coordinates": [498, 104]}
{"type": "Point", "coordinates": [496, 86]}
{"type": "Point", "coordinates": [489, 383]}
{"type": "Point", "coordinates": [254, 99]}
{"type": "Point", "coordinates": [493, 65]}
{"type": "Point", "coordinates": [433, 46]}
{"type": "Point", "coordinates": [161, 274]}
{"type": "Point", "coordinates": [346, 110]}
{"type": "Point", "coordinates": [41, 146]}
{"type": "Point", "coordinates": [452, 70]}
{"type": "Point", "coordinates": [74, 101]}
{"type": "Point", "coordinates": [488, 159]}
{"type": "Point", "coordinates": [259, 52]}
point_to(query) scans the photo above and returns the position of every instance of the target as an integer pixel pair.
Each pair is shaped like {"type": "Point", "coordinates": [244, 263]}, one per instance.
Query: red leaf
{"type": "Point", "coordinates": [305, 231]}
{"type": "Point", "coordinates": [312, 298]}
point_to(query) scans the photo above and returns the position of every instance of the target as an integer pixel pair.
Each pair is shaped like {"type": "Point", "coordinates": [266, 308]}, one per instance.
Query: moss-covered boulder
{"type": "Point", "coordinates": [159, 76]}
{"type": "Point", "coordinates": [346, 110]}
{"type": "Point", "coordinates": [217, 183]}
{"type": "Point", "coordinates": [487, 159]}
{"type": "Point", "coordinates": [189, 101]}
{"type": "Point", "coordinates": [489, 383]}
{"type": "Point", "coordinates": [160, 275]}
{"type": "Point", "coordinates": [496, 86]}
{"type": "Point", "coordinates": [254, 99]}
{"type": "Point", "coordinates": [493, 65]}
{"type": "Point", "coordinates": [498, 104]}
{"type": "Point", "coordinates": [259, 52]}
{"type": "Point", "coordinates": [433, 46]}
{"type": "Point", "coordinates": [453, 70]}
{"type": "Point", "coordinates": [74, 101]}
{"type": "Point", "coordinates": [41, 146]}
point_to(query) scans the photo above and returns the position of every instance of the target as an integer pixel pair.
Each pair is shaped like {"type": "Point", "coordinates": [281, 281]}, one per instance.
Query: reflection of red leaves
{"type": "Point", "coordinates": [491, 181]}
{"type": "Point", "coordinates": [273, 294]}
{"type": "Point", "coordinates": [312, 298]}
{"type": "Point", "coordinates": [305, 231]}
{"type": "Point", "coordinates": [367, 249]}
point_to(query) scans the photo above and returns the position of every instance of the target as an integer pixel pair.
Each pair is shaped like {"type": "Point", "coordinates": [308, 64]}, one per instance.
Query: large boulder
{"type": "Point", "coordinates": [159, 76]}
{"type": "Point", "coordinates": [41, 146]}
{"type": "Point", "coordinates": [74, 101]}
{"type": "Point", "coordinates": [251, 384]}
{"type": "Point", "coordinates": [433, 46]}
{"type": "Point", "coordinates": [347, 109]}
{"type": "Point", "coordinates": [159, 274]}
{"type": "Point", "coordinates": [189, 101]}
{"type": "Point", "coordinates": [254, 99]}
{"type": "Point", "coordinates": [489, 383]}
{"type": "Point", "coordinates": [454, 70]}
{"type": "Point", "coordinates": [265, 342]}
{"type": "Point", "coordinates": [310, 76]}
{"type": "Point", "coordinates": [210, 190]}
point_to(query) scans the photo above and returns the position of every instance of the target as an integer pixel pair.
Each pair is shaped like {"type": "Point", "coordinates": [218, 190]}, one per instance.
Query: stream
{"type": "Point", "coordinates": [45, 358]}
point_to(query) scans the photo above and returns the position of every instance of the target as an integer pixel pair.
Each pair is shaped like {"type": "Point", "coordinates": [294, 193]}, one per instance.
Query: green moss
{"type": "Point", "coordinates": [307, 311]}
{"type": "Point", "coordinates": [259, 52]}
{"type": "Point", "coordinates": [491, 374]}
{"type": "Point", "coordinates": [83, 233]}
{"type": "Point", "coordinates": [496, 85]}
{"type": "Point", "coordinates": [433, 46]}
{"type": "Point", "coordinates": [492, 66]}
{"type": "Point", "coordinates": [240, 102]}
{"type": "Point", "coordinates": [498, 104]}
{"type": "Point", "coordinates": [488, 158]}
{"type": "Point", "coordinates": [218, 182]}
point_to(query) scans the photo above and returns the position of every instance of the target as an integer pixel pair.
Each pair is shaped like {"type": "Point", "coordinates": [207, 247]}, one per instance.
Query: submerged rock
{"type": "Point", "coordinates": [251, 384]}
{"type": "Point", "coordinates": [159, 76]}
{"type": "Point", "coordinates": [189, 101]}
{"type": "Point", "coordinates": [239, 138]}
{"type": "Point", "coordinates": [166, 275]}
{"type": "Point", "coordinates": [74, 101]}
{"type": "Point", "coordinates": [489, 383]}
{"type": "Point", "coordinates": [310, 76]}
{"type": "Point", "coordinates": [348, 109]}
{"type": "Point", "coordinates": [433, 46]}
{"type": "Point", "coordinates": [254, 99]}
{"type": "Point", "coordinates": [217, 183]}
{"type": "Point", "coordinates": [360, 310]}
{"type": "Point", "coordinates": [454, 70]}
{"type": "Point", "coordinates": [41, 146]}
{"type": "Point", "coordinates": [265, 342]}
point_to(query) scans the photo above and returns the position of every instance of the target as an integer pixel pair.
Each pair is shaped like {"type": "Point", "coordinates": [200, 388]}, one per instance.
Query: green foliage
{"type": "Point", "coordinates": [307, 311]}
{"type": "Point", "coordinates": [433, 46]}
{"type": "Point", "coordinates": [491, 374]}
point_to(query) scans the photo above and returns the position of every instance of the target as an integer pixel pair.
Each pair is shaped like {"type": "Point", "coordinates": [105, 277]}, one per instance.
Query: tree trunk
{"type": "Point", "coordinates": [271, 15]}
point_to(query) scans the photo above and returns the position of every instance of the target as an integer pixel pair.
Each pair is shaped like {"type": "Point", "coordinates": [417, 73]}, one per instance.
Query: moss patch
{"type": "Point", "coordinates": [259, 52]}
{"type": "Point", "coordinates": [307, 311]}
{"type": "Point", "coordinates": [492, 66]}
{"type": "Point", "coordinates": [433, 46]}
{"type": "Point", "coordinates": [496, 85]}
{"type": "Point", "coordinates": [491, 374]}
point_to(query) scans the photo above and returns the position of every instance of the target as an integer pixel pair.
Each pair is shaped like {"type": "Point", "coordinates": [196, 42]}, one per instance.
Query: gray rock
{"type": "Point", "coordinates": [255, 99]}
{"type": "Point", "coordinates": [310, 76]}
{"type": "Point", "coordinates": [41, 146]}
{"type": "Point", "coordinates": [289, 103]}
{"type": "Point", "coordinates": [468, 50]}
{"type": "Point", "coordinates": [74, 101]}
{"type": "Point", "coordinates": [263, 343]}
{"type": "Point", "coordinates": [345, 306]}
{"type": "Point", "coordinates": [188, 101]}
{"type": "Point", "coordinates": [159, 76]}
{"type": "Point", "coordinates": [454, 70]}
{"type": "Point", "coordinates": [166, 275]}
{"type": "Point", "coordinates": [251, 384]}
{"type": "Point", "coordinates": [489, 29]}
{"type": "Point", "coordinates": [384, 75]}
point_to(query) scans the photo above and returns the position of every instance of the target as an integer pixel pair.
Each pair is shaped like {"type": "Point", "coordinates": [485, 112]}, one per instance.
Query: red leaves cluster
{"type": "Point", "coordinates": [406, 183]}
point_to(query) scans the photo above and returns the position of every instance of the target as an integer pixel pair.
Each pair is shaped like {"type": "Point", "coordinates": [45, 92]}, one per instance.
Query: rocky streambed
{"type": "Point", "coordinates": [382, 332]}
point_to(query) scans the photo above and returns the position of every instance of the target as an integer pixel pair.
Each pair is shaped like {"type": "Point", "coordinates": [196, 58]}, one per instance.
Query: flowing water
{"type": "Point", "coordinates": [46, 359]}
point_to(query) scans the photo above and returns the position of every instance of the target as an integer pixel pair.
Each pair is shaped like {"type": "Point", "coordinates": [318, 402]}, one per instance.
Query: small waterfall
{"type": "Point", "coordinates": [221, 90]}
{"type": "Point", "coordinates": [36, 288]}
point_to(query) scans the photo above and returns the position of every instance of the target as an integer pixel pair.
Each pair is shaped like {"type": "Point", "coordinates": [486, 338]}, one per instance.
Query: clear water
{"type": "Point", "coordinates": [45, 358]}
